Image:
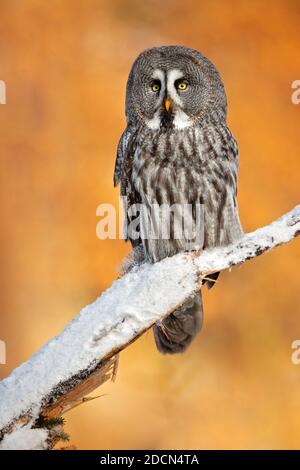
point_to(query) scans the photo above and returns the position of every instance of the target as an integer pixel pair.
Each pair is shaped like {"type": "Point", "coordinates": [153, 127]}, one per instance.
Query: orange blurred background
{"type": "Point", "coordinates": [65, 64]}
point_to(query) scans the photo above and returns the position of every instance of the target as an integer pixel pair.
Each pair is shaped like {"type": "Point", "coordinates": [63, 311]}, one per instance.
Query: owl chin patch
{"type": "Point", "coordinates": [181, 120]}
{"type": "Point", "coordinates": [164, 120]}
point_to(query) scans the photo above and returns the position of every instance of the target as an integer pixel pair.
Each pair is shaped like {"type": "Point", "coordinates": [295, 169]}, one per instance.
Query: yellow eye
{"type": "Point", "coordinates": [155, 87]}
{"type": "Point", "coordinates": [182, 85]}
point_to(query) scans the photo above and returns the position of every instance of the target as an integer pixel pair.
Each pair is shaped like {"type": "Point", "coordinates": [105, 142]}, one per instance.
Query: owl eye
{"type": "Point", "coordinates": [181, 85]}
{"type": "Point", "coordinates": [155, 86]}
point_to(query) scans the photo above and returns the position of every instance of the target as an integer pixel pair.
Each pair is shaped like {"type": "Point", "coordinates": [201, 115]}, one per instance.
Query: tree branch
{"type": "Point", "coordinates": [84, 355]}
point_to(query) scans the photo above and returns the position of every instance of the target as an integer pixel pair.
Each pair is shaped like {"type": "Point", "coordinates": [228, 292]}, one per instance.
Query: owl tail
{"type": "Point", "coordinates": [175, 333]}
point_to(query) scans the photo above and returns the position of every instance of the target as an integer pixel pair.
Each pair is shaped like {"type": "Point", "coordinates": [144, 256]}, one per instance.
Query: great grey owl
{"type": "Point", "coordinates": [177, 149]}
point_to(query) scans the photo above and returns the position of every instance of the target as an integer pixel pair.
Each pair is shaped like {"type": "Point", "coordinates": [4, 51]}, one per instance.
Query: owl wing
{"type": "Point", "coordinates": [121, 155]}
{"type": "Point", "coordinates": [223, 190]}
{"type": "Point", "coordinates": [122, 174]}
{"type": "Point", "coordinates": [231, 215]}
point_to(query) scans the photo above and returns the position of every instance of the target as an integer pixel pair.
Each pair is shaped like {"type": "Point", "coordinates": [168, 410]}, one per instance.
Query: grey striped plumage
{"type": "Point", "coordinates": [182, 155]}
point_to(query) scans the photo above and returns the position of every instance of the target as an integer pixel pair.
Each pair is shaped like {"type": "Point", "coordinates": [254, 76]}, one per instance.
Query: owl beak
{"type": "Point", "coordinates": [167, 104]}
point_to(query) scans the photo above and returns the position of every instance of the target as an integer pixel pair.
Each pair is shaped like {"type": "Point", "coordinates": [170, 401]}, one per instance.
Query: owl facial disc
{"type": "Point", "coordinates": [168, 112]}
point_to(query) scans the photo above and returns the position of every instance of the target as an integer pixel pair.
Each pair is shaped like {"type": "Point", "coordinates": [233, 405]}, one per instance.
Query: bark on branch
{"type": "Point", "coordinates": [84, 355]}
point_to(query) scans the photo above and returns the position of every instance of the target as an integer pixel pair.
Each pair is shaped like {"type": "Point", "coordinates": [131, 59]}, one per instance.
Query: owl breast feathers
{"type": "Point", "coordinates": [177, 152]}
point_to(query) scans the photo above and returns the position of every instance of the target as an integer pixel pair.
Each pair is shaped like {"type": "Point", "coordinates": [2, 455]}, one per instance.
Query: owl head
{"type": "Point", "coordinates": [173, 86]}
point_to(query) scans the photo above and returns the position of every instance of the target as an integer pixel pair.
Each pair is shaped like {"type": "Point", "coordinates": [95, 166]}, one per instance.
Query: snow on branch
{"type": "Point", "coordinates": [71, 365]}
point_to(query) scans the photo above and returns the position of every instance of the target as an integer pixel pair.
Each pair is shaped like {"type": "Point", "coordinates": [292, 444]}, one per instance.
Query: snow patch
{"type": "Point", "coordinates": [25, 438]}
